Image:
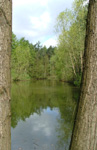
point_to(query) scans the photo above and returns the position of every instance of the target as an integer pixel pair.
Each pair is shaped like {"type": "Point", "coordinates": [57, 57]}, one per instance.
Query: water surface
{"type": "Point", "coordinates": [42, 115]}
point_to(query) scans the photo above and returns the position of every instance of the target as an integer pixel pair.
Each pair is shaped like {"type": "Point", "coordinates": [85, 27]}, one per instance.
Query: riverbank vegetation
{"type": "Point", "coordinates": [64, 62]}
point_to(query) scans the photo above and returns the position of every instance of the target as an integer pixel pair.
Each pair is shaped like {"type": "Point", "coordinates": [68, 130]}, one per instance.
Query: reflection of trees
{"type": "Point", "coordinates": [29, 98]}
{"type": "Point", "coordinates": [65, 126]}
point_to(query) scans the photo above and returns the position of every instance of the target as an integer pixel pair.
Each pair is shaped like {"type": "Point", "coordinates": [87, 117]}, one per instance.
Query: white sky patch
{"type": "Point", "coordinates": [30, 33]}
{"type": "Point", "coordinates": [41, 21]}
{"type": "Point", "coordinates": [35, 19]}
{"type": "Point", "coordinates": [86, 2]}
{"type": "Point", "coordinates": [27, 2]}
{"type": "Point", "coordinates": [50, 42]}
{"type": "Point", "coordinates": [43, 2]}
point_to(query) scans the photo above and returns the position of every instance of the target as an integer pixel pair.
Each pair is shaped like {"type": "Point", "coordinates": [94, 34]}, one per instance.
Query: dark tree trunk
{"type": "Point", "coordinates": [5, 54]}
{"type": "Point", "coordinates": [85, 129]}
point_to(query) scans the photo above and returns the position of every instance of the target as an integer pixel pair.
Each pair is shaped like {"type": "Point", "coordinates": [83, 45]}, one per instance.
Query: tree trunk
{"type": "Point", "coordinates": [5, 52]}
{"type": "Point", "coordinates": [85, 130]}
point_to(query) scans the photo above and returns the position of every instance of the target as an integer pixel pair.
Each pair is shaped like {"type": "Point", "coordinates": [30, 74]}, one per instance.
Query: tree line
{"type": "Point", "coordinates": [30, 60]}
{"type": "Point", "coordinates": [71, 29]}
{"type": "Point", "coordinates": [64, 62]}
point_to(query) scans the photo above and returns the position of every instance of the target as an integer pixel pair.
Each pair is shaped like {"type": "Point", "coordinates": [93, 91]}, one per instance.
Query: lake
{"type": "Point", "coordinates": [42, 115]}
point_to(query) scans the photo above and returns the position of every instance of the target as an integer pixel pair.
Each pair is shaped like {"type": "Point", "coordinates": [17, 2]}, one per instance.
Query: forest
{"type": "Point", "coordinates": [63, 62]}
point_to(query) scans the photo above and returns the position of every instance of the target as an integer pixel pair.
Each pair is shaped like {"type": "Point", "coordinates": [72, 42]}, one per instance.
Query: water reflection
{"type": "Point", "coordinates": [42, 115]}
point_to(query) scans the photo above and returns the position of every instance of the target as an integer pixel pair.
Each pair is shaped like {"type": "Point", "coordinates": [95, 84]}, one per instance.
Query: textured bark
{"type": "Point", "coordinates": [5, 53]}
{"type": "Point", "coordinates": [85, 129]}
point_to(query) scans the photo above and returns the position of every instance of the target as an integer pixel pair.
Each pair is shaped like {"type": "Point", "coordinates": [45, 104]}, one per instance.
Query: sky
{"type": "Point", "coordinates": [35, 19]}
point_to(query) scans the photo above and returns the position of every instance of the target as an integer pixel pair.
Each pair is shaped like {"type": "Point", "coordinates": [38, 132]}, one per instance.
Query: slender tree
{"type": "Point", "coordinates": [5, 52]}
{"type": "Point", "coordinates": [85, 129]}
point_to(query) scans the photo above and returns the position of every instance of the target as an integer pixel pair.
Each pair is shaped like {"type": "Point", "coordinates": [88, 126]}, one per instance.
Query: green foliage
{"type": "Point", "coordinates": [30, 61]}
{"type": "Point", "coordinates": [77, 81]}
{"type": "Point", "coordinates": [71, 28]}
{"type": "Point", "coordinates": [64, 62]}
{"type": "Point", "coordinates": [20, 60]}
{"type": "Point", "coordinates": [14, 42]}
